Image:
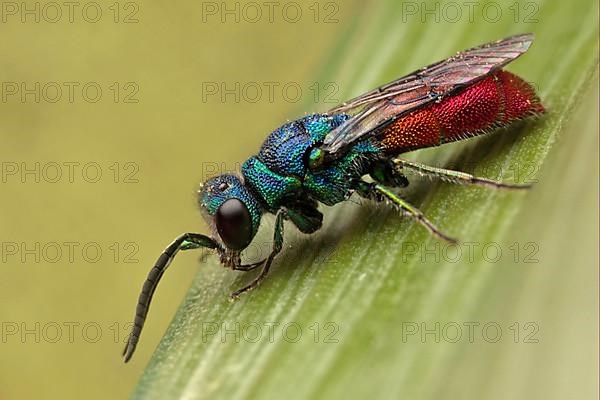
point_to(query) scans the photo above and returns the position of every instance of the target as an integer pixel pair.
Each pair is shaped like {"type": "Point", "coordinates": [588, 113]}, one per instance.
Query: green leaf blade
{"type": "Point", "coordinates": [371, 274]}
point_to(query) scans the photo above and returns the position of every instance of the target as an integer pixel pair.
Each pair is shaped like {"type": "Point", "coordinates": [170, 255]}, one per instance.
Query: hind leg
{"type": "Point", "coordinates": [388, 173]}
{"type": "Point", "coordinates": [455, 176]}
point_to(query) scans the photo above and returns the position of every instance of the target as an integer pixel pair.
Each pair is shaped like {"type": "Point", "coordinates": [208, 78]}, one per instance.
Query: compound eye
{"type": "Point", "coordinates": [234, 224]}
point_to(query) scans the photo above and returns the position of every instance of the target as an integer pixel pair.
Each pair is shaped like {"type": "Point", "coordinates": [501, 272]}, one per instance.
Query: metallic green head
{"type": "Point", "coordinates": [231, 210]}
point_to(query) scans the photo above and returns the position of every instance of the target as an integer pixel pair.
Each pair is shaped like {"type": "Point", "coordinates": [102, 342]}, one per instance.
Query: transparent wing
{"type": "Point", "coordinates": [383, 105]}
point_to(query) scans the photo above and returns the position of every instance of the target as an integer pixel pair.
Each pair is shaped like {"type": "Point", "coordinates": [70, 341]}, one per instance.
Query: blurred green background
{"type": "Point", "coordinates": [157, 129]}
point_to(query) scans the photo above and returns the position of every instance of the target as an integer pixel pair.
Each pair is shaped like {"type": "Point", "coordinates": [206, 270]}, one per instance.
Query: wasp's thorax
{"type": "Point", "coordinates": [231, 210]}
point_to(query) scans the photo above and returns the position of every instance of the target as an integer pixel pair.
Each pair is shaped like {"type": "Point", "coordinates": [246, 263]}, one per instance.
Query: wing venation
{"type": "Point", "coordinates": [386, 103]}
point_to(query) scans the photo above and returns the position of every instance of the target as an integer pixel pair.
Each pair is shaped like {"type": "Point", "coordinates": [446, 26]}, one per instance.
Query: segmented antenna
{"type": "Point", "coordinates": [183, 242]}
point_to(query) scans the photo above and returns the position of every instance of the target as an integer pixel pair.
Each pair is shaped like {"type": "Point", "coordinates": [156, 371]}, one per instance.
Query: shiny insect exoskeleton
{"type": "Point", "coordinates": [325, 158]}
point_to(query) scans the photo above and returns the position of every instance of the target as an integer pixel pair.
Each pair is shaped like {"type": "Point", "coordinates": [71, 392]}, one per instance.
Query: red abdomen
{"type": "Point", "coordinates": [490, 103]}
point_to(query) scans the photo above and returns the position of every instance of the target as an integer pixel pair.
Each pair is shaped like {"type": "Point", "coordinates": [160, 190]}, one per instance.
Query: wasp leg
{"type": "Point", "coordinates": [249, 267]}
{"type": "Point", "coordinates": [387, 173]}
{"type": "Point", "coordinates": [277, 246]}
{"type": "Point", "coordinates": [187, 241]}
{"type": "Point", "coordinates": [304, 214]}
{"type": "Point", "coordinates": [457, 176]}
{"type": "Point", "coordinates": [379, 192]}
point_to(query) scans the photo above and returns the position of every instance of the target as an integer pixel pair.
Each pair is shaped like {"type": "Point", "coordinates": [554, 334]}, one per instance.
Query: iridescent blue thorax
{"type": "Point", "coordinates": [280, 171]}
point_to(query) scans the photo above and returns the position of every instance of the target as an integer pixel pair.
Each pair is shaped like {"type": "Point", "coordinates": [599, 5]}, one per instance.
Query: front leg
{"type": "Point", "coordinates": [304, 214]}
{"type": "Point", "coordinates": [277, 246]}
